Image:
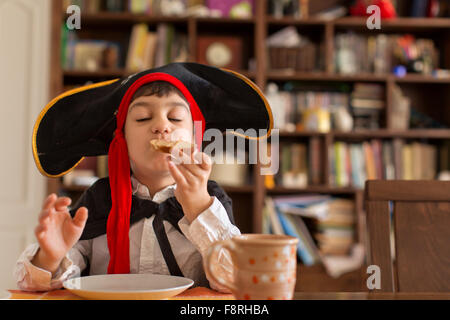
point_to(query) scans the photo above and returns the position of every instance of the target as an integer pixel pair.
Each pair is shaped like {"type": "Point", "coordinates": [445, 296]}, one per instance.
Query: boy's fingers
{"type": "Point", "coordinates": [48, 203]}
{"type": "Point", "coordinates": [187, 171]}
{"type": "Point", "coordinates": [39, 231]}
{"type": "Point", "coordinates": [176, 174]}
{"type": "Point", "coordinates": [205, 162]}
{"type": "Point", "coordinates": [62, 203]}
{"type": "Point", "coordinates": [80, 217]}
{"type": "Point", "coordinates": [44, 215]}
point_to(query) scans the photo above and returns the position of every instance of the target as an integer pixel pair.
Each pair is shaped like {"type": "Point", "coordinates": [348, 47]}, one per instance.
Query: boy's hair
{"type": "Point", "coordinates": [158, 88]}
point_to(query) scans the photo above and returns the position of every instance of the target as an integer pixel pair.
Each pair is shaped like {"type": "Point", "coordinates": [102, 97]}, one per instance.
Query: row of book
{"type": "Point", "coordinates": [88, 55]}
{"type": "Point", "coordinates": [298, 107]}
{"type": "Point", "coordinates": [295, 110]}
{"type": "Point", "coordinates": [351, 164]}
{"type": "Point", "coordinates": [146, 49]}
{"type": "Point", "coordinates": [151, 49]}
{"type": "Point", "coordinates": [165, 7]}
{"type": "Point", "coordinates": [324, 225]}
{"type": "Point", "coordinates": [295, 8]}
{"type": "Point", "coordinates": [358, 53]}
{"type": "Point", "coordinates": [300, 164]}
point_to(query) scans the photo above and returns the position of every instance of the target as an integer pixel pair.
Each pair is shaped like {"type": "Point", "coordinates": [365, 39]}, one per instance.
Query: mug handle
{"type": "Point", "coordinates": [214, 249]}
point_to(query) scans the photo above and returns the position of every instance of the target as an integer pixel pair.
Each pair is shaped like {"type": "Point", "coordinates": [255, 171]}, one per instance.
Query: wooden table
{"type": "Point", "coordinates": [200, 293]}
{"type": "Point", "coordinates": [371, 296]}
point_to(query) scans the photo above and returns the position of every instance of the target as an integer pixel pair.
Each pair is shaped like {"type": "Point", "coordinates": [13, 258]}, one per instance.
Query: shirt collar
{"type": "Point", "coordinates": [141, 191]}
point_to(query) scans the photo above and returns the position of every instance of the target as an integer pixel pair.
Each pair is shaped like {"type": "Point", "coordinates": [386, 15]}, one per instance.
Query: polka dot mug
{"type": "Point", "coordinates": [264, 266]}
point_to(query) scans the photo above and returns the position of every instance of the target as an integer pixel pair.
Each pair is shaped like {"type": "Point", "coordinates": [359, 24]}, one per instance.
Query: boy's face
{"type": "Point", "coordinates": [153, 117]}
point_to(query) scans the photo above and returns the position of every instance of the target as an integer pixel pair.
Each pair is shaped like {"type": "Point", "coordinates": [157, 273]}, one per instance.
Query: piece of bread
{"type": "Point", "coordinates": [167, 146]}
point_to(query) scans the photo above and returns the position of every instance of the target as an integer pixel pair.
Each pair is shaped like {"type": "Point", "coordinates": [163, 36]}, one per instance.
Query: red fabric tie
{"type": "Point", "coordinates": [118, 225]}
{"type": "Point", "coordinates": [119, 216]}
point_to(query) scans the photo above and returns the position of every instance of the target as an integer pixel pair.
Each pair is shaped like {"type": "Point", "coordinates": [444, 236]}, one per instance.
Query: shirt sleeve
{"type": "Point", "coordinates": [210, 226]}
{"type": "Point", "coordinates": [31, 278]}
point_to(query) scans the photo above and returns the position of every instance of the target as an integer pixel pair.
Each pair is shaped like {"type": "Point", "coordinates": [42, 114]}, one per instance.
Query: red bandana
{"type": "Point", "coordinates": [118, 225]}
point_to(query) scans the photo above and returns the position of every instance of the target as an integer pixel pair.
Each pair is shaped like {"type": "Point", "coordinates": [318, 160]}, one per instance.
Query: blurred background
{"type": "Point", "coordinates": [352, 101]}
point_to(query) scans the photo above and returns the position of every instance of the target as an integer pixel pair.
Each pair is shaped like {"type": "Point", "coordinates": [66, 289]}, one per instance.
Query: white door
{"type": "Point", "coordinates": [24, 63]}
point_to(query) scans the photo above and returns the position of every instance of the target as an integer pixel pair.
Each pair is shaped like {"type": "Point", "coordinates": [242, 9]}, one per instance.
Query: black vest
{"type": "Point", "coordinates": [97, 199]}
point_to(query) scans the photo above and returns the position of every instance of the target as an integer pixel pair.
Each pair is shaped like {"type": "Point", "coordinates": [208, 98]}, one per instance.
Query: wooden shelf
{"type": "Point", "coordinates": [397, 23]}
{"type": "Point", "coordinates": [118, 73]}
{"type": "Point", "coordinates": [288, 75]}
{"type": "Point", "coordinates": [314, 189]}
{"type": "Point", "coordinates": [286, 21]}
{"type": "Point", "coordinates": [372, 134]}
{"type": "Point", "coordinates": [418, 78]}
{"type": "Point", "coordinates": [132, 18]}
{"type": "Point", "coordinates": [387, 133]}
{"type": "Point", "coordinates": [95, 74]}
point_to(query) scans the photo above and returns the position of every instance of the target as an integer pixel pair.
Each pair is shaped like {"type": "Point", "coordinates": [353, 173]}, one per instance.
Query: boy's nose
{"type": "Point", "coordinates": [161, 127]}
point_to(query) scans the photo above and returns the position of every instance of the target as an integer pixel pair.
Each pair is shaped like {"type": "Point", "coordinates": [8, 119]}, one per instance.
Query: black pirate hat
{"type": "Point", "coordinates": [81, 122]}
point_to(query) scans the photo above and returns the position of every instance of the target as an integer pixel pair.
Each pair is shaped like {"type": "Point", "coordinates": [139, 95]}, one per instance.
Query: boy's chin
{"type": "Point", "coordinates": [160, 164]}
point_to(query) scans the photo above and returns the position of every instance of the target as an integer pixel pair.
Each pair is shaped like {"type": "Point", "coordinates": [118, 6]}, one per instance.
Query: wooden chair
{"type": "Point", "coordinates": [421, 228]}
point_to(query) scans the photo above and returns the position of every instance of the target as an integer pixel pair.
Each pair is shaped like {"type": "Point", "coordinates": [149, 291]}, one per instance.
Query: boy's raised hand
{"type": "Point", "coordinates": [191, 173]}
{"type": "Point", "coordinates": [57, 232]}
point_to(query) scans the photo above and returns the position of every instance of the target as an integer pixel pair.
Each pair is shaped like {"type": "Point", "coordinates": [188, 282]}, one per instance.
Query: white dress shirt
{"type": "Point", "coordinates": [145, 254]}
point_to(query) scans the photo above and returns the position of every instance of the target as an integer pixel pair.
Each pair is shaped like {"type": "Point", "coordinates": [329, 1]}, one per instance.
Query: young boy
{"type": "Point", "coordinates": [163, 216]}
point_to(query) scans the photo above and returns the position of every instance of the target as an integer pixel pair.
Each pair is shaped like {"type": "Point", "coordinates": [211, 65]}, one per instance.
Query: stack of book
{"type": "Point", "coordinates": [323, 224]}
{"type": "Point", "coordinates": [357, 53]}
{"type": "Point", "coordinates": [300, 164]}
{"type": "Point", "coordinates": [335, 234]}
{"type": "Point", "coordinates": [351, 164]}
{"type": "Point", "coordinates": [146, 50]}
{"type": "Point", "coordinates": [367, 102]}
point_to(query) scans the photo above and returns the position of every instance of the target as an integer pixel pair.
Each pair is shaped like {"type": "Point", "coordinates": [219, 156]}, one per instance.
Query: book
{"type": "Point", "coordinates": [275, 224]}
{"type": "Point", "coordinates": [149, 50]}
{"type": "Point", "coordinates": [315, 161]}
{"type": "Point", "coordinates": [407, 162]}
{"type": "Point", "coordinates": [136, 48]}
{"type": "Point", "coordinates": [305, 237]}
{"type": "Point", "coordinates": [314, 206]}
{"type": "Point", "coordinates": [290, 230]}
{"type": "Point", "coordinates": [370, 161]}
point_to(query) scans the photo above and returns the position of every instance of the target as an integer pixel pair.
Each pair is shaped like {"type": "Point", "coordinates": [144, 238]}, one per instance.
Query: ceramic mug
{"type": "Point", "coordinates": [264, 266]}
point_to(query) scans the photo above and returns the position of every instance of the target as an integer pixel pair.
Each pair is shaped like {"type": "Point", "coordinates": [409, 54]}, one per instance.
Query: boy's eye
{"type": "Point", "coordinates": [143, 119]}
{"type": "Point", "coordinates": [174, 119]}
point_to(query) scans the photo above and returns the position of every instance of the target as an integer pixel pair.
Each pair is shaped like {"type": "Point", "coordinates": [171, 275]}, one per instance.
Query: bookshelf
{"type": "Point", "coordinates": [249, 199]}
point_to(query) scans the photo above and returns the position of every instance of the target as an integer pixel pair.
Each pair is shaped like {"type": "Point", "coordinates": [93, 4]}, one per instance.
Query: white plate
{"type": "Point", "coordinates": [128, 286]}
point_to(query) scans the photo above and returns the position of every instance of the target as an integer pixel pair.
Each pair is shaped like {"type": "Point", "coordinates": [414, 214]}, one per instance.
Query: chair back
{"type": "Point", "coordinates": [408, 225]}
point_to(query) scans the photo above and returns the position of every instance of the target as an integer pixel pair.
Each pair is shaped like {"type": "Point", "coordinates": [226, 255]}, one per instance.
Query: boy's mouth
{"type": "Point", "coordinates": [166, 146]}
